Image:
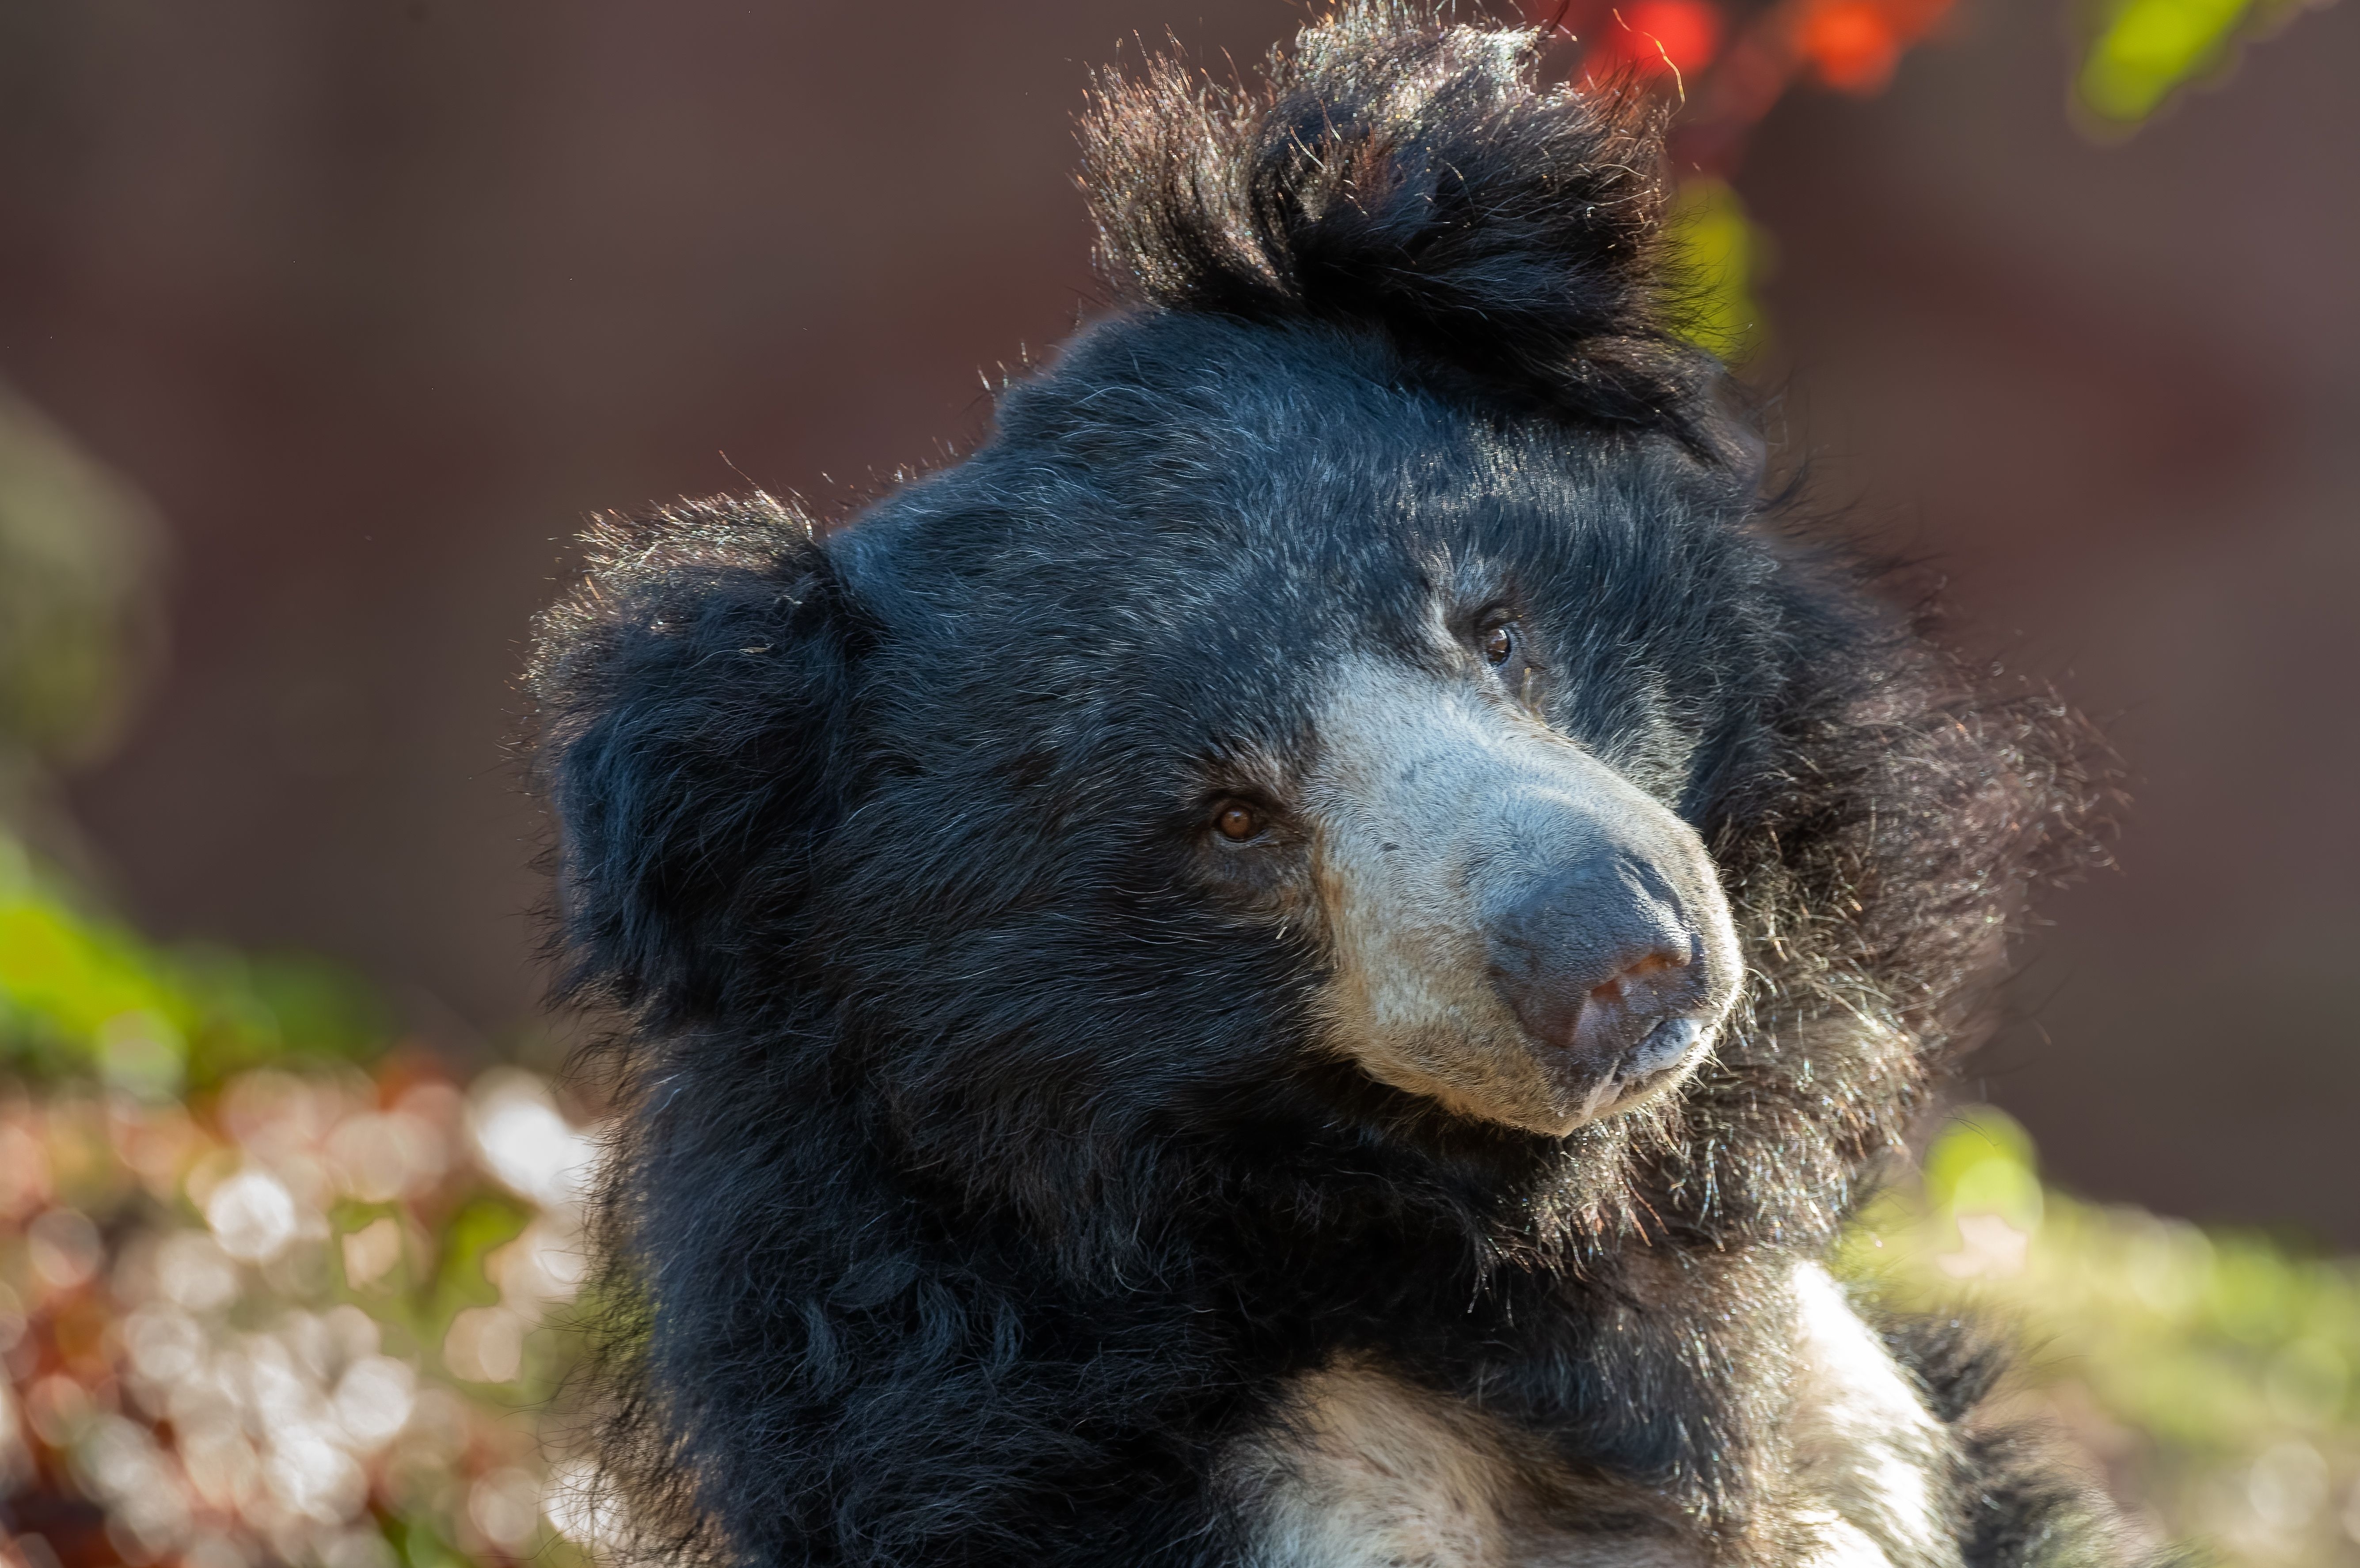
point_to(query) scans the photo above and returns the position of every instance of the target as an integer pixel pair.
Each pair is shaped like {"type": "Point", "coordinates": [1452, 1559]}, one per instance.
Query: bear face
{"type": "Point", "coordinates": [1397, 712]}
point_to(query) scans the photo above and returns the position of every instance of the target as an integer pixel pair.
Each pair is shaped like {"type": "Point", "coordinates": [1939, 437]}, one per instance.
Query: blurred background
{"type": "Point", "coordinates": [323, 327]}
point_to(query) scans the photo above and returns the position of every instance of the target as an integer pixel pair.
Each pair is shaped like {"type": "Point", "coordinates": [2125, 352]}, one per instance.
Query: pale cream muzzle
{"type": "Point", "coordinates": [1517, 931]}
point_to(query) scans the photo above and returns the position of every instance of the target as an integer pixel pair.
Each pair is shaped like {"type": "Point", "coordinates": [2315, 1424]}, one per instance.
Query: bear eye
{"type": "Point", "coordinates": [1237, 821]}
{"type": "Point", "coordinates": [1500, 643]}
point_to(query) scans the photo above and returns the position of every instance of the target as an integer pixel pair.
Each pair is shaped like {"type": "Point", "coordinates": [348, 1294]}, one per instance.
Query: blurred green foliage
{"type": "Point", "coordinates": [2144, 50]}
{"type": "Point", "coordinates": [76, 551]}
{"type": "Point", "coordinates": [81, 993]}
{"type": "Point", "coordinates": [2210, 1371]}
{"type": "Point", "coordinates": [2141, 54]}
{"type": "Point", "coordinates": [1719, 255]}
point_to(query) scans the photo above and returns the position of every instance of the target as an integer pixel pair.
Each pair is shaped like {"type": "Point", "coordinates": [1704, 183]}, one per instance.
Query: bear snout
{"type": "Point", "coordinates": [1519, 931]}
{"type": "Point", "coordinates": [1592, 973]}
{"type": "Point", "coordinates": [1608, 974]}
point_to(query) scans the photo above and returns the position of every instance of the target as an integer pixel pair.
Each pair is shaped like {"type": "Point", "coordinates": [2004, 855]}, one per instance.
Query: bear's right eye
{"type": "Point", "coordinates": [1237, 821]}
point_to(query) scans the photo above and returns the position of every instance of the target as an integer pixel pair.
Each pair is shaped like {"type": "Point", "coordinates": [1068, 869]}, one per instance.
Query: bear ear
{"type": "Point", "coordinates": [1405, 175]}
{"type": "Point", "coordinates": [693, 693]}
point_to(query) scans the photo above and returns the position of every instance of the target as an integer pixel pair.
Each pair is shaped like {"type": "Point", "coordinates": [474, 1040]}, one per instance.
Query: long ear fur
{"type": "Point", "coordinates": [1400, 174]}
{"type": "Point", "coordinates": [693, 690]}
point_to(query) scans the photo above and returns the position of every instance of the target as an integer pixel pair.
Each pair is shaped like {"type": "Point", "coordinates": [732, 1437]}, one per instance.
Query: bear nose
{"type": "Point", "coordinates": [1600, 970]}
{"type": "Point", "coordinates": [1635, 982]}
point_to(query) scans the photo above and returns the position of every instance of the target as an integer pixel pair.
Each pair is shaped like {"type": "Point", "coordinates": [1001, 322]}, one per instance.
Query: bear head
{"type": "Point", "coordinates": [1355, 733]}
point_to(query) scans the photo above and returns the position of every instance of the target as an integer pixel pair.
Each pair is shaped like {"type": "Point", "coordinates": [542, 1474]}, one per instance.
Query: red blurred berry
{"type": "Point", "coordinates": [1852, 44]}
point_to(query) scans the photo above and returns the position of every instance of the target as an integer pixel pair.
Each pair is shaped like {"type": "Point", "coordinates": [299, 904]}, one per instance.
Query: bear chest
{"type": "Point", "coordinates": [1361, 1469]}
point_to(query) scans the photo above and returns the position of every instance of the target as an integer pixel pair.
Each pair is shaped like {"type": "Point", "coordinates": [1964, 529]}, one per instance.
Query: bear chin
{"type": "Point", "coordinates": [1655, 1072]}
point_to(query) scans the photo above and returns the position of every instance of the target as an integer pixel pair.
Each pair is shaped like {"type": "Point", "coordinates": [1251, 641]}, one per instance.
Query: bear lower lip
{"type": "Point", "coordinates": [1665, 1045]}
{"type": "Point", "coordinates": [1653, 1063]}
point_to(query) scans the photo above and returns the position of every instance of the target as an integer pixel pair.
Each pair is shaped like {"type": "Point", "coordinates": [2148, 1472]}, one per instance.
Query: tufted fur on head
{"type": "Point", "coordinates": [1395, 173]}
{"type": "Point", "coordinates": [991, 1183]}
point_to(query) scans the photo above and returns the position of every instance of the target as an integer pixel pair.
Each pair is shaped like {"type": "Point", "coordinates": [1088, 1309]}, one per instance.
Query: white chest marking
{"type": "Point", "coordinates": [1361, 1469]}
{"type": "Point", "coordinates": [1867, 1451]}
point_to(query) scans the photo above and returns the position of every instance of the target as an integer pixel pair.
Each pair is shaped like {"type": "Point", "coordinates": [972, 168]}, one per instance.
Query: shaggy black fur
{"type": "Point", "coordinates": [979, 1178]}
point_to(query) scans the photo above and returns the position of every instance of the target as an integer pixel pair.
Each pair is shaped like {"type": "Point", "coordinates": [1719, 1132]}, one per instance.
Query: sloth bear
{"type": "Point", "coordinates": [1295, 961]}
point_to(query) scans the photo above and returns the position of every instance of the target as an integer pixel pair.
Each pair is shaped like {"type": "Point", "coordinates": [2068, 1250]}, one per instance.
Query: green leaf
{"type": "Point", "coordinates": [1717, 254]}
{"type": "Point", "coordinates": [2148, 48]}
